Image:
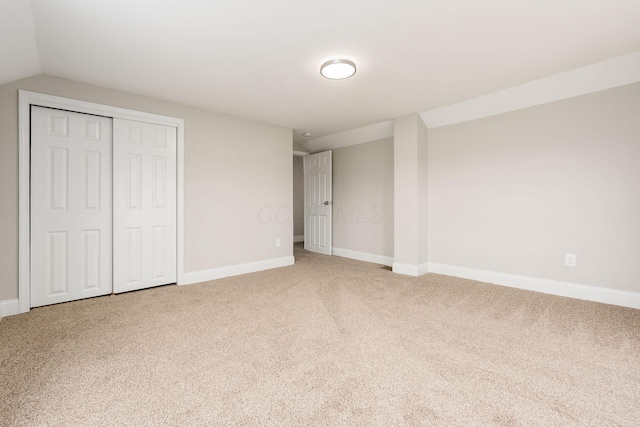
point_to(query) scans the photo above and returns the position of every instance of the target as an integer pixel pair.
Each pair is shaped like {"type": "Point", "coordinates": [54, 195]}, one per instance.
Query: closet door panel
{"type": "Point", "coordinates": [71, 211]}
{"type": "Point", "coordinates": [144, 202]}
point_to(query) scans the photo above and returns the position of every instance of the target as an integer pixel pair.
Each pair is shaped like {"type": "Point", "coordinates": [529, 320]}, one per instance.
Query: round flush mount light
{"type": "Point", "coordinates": [307, 134]}
{"type": "Point", "coordinates": [338, 69]}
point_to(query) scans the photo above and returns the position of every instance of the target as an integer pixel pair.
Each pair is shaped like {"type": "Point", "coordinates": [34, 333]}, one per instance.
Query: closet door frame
{"type": "Point", "coordinates": [26, 100]}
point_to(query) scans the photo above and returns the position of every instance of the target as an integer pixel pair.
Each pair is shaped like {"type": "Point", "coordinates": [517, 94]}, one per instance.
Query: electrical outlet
{"type": "Point", "coordinates": [570, 260]}
{"type": "Point", "coordinates": [278, 243]}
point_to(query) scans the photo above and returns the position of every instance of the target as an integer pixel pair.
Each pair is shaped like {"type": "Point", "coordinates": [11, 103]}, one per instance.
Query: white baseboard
{"type": "Point", "coordinates": [411, 269]}
{"type": "Point", "coordinates": [9, 307]}
{"type": "Point", "coordinates": [590, 293]}
{"type": "Point", "coordinates": [364, 256]}
{"type": "Point", "coordinates": [571, 290]}
{"type": "Point", "coordinates": [298, 239]}
{"type": "Point", "coordinates": [236, 270]}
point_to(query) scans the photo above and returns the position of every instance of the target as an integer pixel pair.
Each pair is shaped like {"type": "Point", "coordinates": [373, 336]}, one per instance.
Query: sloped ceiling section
{"type": "Point", "coordinates": [580, 81]}
{"type": "Point", "coordinates": [260, 59]}
{"type": "Point", "coordinates": [17, 41]}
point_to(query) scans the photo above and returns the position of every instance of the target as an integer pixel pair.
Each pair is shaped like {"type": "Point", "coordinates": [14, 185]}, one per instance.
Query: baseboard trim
{"type": "Point", "coordinates": [236, 270]}
{"type": "Point", "coordinates": [411, 269]}
{"type": "Point", "coordinates": [298, 239]}
{"type": "Point", "coordinates": [9, 307]}
{"type": "Point", "coordinates": [564, 289]}
{"type": "Point", "coordinates": [364, 256]}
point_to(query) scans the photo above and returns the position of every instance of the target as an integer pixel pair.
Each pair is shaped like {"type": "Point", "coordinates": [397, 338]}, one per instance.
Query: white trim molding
{"type": "Point", "coordinates": [410, 269]}
{"type": "Point", "coordinates": [9, 307]}
{"type": "Point", "coordinates": [298, 239]}
{"type": "Point", "coordinates": [564, 289]}
{"type": "Point", "coordinates": [300, 153]}
{"type": "Point", "coordinates": [236, 270]}
{"type": "Point", "coordinates": [364, 256]}
{"type": "Point", "coordinates": [26, 100]}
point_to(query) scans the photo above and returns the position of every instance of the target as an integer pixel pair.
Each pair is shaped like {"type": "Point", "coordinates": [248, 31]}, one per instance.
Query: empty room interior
{"type": "Point", "coordinates": [286, 213]}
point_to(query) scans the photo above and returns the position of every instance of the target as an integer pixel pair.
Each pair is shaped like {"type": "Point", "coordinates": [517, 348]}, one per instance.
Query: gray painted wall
{"type": "Point", "coordinates": [410, 192]}
{"type": "Point", "coordinates": [510, 193]}
{"type": "Point", "coordinates": [298, 196]}
{"type": "Point", "coordinates": [299, 147]}
{"type": "Point", "coordinates": [363, 197]}
{"type": "Point", "coordinates": [238, 176]}
{"type": "Point", "coordinates": [514, 192]}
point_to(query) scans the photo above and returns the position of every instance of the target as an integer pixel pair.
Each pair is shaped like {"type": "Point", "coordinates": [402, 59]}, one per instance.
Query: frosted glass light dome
{"type": "Point", "coordinates": [337, 69]}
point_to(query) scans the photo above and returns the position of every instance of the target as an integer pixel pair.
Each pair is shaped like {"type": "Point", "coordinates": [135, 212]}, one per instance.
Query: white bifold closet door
{"type": "Point", "coordinates": [144, 205]}
{"type": "Point", "coordinates": [71, 210]}
{"type": "Point", "coordinates": [103, 205]}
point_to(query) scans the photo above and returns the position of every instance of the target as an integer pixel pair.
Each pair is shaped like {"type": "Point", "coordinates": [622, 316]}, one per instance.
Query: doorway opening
{"type": "Point", "coordinates": [298, 199]}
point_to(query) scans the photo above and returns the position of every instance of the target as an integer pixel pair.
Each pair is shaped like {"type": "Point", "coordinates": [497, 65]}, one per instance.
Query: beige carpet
{"type": "Point", "coordinates": [326, 342]}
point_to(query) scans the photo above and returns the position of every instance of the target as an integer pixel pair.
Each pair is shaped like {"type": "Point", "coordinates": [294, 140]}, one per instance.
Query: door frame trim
{"type": "Point", "coordinates": [305, 197]}
{"type": "Point", "coordinates": [25, 101]}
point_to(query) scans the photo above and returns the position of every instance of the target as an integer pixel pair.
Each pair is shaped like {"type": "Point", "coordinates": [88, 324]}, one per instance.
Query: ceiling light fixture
{"type": "Point", "coordinates": [307, 134]}
{"type": "Point", "coordinates": [337, 69]}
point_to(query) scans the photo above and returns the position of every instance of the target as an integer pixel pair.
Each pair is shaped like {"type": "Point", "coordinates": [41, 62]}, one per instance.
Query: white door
{"type": "Point", "coordinates": [144, 205]}
{"type": "Point", "coordinates": [70, 206]}
{"type": "Point", "coordinates": [318, 205]}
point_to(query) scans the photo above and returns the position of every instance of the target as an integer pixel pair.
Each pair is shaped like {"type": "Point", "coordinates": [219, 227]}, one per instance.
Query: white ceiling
{"type": "Point", "coordinates": [260, 59]}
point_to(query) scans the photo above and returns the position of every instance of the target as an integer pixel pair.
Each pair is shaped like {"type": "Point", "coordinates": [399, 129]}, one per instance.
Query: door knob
{"type": "Point", "coordinates": [327, 202]}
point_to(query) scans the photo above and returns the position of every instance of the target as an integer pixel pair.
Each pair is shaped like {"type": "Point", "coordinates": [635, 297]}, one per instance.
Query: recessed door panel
{"type": "Point", "coordinates": [159, 243]}
{"type": "Point", "coordinates": [58, 123]}
{"type": "Point", "coordinates": [92, 188]}
{"type": "Point", "coordinates": [57, 262]}
{"type": "Point", "coordinates": [58, 178]}
{"type": "Point", "coordinates": [159, 176]}
{"type": "Point", "coordinates": [134, 255]}
{"type": "Point", "coordinates": [134, 181]}
{"type": "Point", "coordinates": [313, 189]}
{"type": "Point", "coordinates": [70, 206]}
{"type": "Point", "coordinates": [161, 138]}
{"type": "Point", "coordinates": [322, 232]}
{"type": "Point", "coordinates": [135, 135]}
{"type": "Point", "coordinates": [92, 261]}
{"type": "Point", "coordinates": [313, 231]}
{"type": "Point", "coordinates": [92, 130]}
